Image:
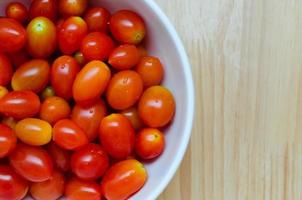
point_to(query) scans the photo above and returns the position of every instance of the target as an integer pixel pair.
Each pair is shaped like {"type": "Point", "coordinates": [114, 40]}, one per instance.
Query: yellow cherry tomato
{"type": "Point", "coordinates": [3, 91]}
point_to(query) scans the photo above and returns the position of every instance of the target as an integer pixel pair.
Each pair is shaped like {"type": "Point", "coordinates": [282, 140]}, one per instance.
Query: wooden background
{"type": "Point", "coordinates": [246, 57]}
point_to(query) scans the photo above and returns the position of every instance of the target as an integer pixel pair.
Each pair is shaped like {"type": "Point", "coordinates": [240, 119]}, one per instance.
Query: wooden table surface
{"type": "Point", "coordinates": [246, 58]}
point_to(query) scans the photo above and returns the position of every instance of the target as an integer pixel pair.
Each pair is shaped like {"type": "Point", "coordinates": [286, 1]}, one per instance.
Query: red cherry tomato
{"type": "Point", "coordinates": [3, 91]}
{"type": "Point", "coordinates": [123, 179]}
{"type": "Point", "coordinates": [97, 19]}
{"type": "Point", "coordinates": [33, 163]}
{"type": "Point", "coordinates": [19, 58]}
{"type": "Point", "coordinates": [12, 35]}
{"type": "Point", "coordinates": [117, 136]}
{"type": "Point", "coordinates": [8, 140]}
{"type": "Point", "coordinates": [42, 37]}
{"type": "Point", "coordinates": [20, 104]}
{"type": "Point", "coordinates": [60, 157]}
{"type": "Point", "coordinates": [51, 189]}
{"type": "Point", "coordinates": [17, 11]}
{"type": "Point", "coordinates": [90, 162]}
{"type": "Point", "coordinates": [96, 74]}
{"type": "Point", "coordinates": [97, 46]}
{"type": "Point", "coordinates": [72, 33]}
{"type": "Point", "coordinates": [12, 186]}
{"type": "Point", "coordinates": [32, 75]}
{"type": "Point", "coordinates": [124, 57]}
{"type": "Point", "coordinates": [6, 69]}
{"type": "Point", "coordinates": [54, 109]}
{"type": "Point", "coordinates": [43, 8]}
{"type": "Point", "coordinates": [47, 92]}
{"type": "Point", "coordinates": [10, 122]}
{"type": "Point", "coordinates": [132, 115]}
{"type": "Point", "coordinates": [69, 135]}
{"type": "Point", "coordinates": [77, 189]}
{"type": "Point", "coordinates": [63, 74]}
{"type": "Point", "coordinates": [72, 7]}
{"type": "Point", "coordinates": [127, 27]}
{"type": "Point", "coordinates": [124, 89]}
{"type": "Point", "coordinates": [80, 58]}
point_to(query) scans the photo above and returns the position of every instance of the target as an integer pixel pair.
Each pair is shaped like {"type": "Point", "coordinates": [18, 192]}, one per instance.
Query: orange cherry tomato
{"type": "Point", "coordinates": [69, 135]}
{"type": "Point", "coordinates": [124, 89]}
{"type": "Point", "coordinates": [117, 136]}
{"type": "Point", "coordinates": [63, 74]}
{"type": "Point", "coordinates": [54, 109]}
{"type": "Point", "coordinates": [8, 140]}
{"type": "Point", "coordinates": [124, 57]}
{"type": "Point", "coordinates": [17, 11]}
{"type": "Point", "coordinates": [72, 7]}
{"type": "Point", "coordinates": [132, 114]}
{"type": "Point", "coordinates": [10, 122]}
{"type": "Point", "coordinates": [32, 75]}
{"type": "Point", "coordinates": [156, 106]}
{"type": "Point", "coordinates": [97, 19]}
{"type": "Point", "coordinates": [51, 189]}
{"type": "Point", "coordinates": [77, 189]}
{"type": "Point", "coordinates": [3, 91]}
{"type": "Point", "coordinates": [127, 27]}
{"type": "Point", "coordinates": [60, 157]}
{"type": "Point", "coordinates": [19, 58]}
{"type": "Point", "coordinates": [6, 69]}
{"type": "Point", "coordinates": [43, 8]}
{"type": "Point", "coordinates": [89, 117]}
{"type": "Point", "coordinates": [71, 34]}
{"type": "Point", "coordinates": [94, 74]}
{"type": "Point", "coordinates": [41, 33]}
{"type": "Point", "coordinates": [124, 179]}
{"type": "Point", "coordinates": [80, 58]}
{"type": "Point", "coordinates": [151, 71]}
{"type": "Point", "coordinates": [47, 92]}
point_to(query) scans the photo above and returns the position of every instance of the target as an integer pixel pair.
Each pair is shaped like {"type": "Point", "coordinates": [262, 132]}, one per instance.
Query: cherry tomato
{"type": "Point", "coordinates": [156, 101]}
{"type": "Point", "coordinates": [72, 7]}
{"type": "Point", "coordinates": [41, 33]}
{"type": "Point", "coordinates": [10, 122]}
{"type": "Point", "coordinates": [72, 33]}
{"type": "Point", "coordinates": [12, 35]}
{"type": "Point", "coordinates": [33, 131]}
{"type": "Point", "coordinates": [3, 91]}
{"type": "Point", "coordinates": [20, 104]}
{"type": "Point", "coordinates": [97, 19]}
{"type": "Point", "coordinates": [47, 92]}
{"type": "Point", "coordinates": [123, 179]}
{"type": "Point", "coordinates": [117, 136]}
{"type": "Point", "coordinates": [151, 71]}
{"type": "Point", "coordinates": [6, 69]}
{"type": "Point", "coordinates": [59, 25]}
{"type": "Point", "coordinates": [96, 74]}
{"type": "Point", "coordinates": [132, 115]}
{"type": "Point", "coordinates": [80, 58]}
{"type": "Point", "coordinates": [43, 8]}
{"type": "Point", "coordinates": [77, 189]}
{"type": "Point", "coordinates": [90, 162]}
{"type": "Point", "coordinates": [32, 75]}
{"type": "Point", "coordinates": [63, 74]}
{"type": "Point", "coordinates": [12, 186]}
{"type": "Point", "coordinates": [69, 135]}
{"type": "Point", "coordinates": [142, 50]}
{"type": "Point", "coordinates": [124, 89]}
{"type": "Point", "coordinates": [97, 46]}
{"type": "Point", "coordinates": [17, 11]}
{"type": "Point", "coordinates": [54, 109]}
{"type": "Point", "coordinates": [124, 57]}
{"type": "Point", "coordinates": [60, 157]}
{"type": "Point", "coordinates": [19, 58]}
{"type": "Point", "coordinates": [33, 163]}
{"type": "Point", "coordinates": [51, 189]}
{"type": "Point", "coordinates": [8, 140]}
{"type": "Point", "coordinates": [127, 27]}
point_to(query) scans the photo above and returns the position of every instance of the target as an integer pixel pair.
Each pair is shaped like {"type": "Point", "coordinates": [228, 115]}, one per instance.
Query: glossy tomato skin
{"type": "Point", "coordinates": [60, 157]}
{"type": "Point", "coordinates": [32, 163]}
{"type": "Point", "coordinates": [3, 91]}
{"type": "Point", "coordinates": [6, 69]}
{"type": "Point", "coordinates": [117, 136]}
{"type": "Point", "coordinates": [127, 27]}
{"type": "Point", "coordinates": [124, 57]}
{"type": "Point", "coordinates": [8, 140]}
{"type": "Point", "coordinates": [71, 34]}
{"type": "Point", "coordinates": [20, 104]}
{"type": "Point", "coordinates": [47, 92]}
{"type": "Point", "coordinates": [97, 46]}
{"type": "Point", "coordinates": [41, 33]}
{"type": "Point", "coordinates": [54, 109]}
{"type": "Point", "coordinates": [68, 135]}
{"type": "Point", "coordinates": [72, 7]}
{"type": "Point", "coordinates": [132, 115]}
{"type": "Point", "coordinates": [12, 35]}
{"type": "Point", "coordinates": [96, 74]}
{"type": "Point", "coordinates": [17, 11]}
{"type": "Point", "coordinates": [43, 8]}
{"type": "Point", "coordinates": [124, 89]}
{"type": "Point", "coordinates": [97, 19]}
{"type": "Point", "coordinates": [32, 75]}
{"type": "Point", "coordinates": [63, 74]}
{"type": "Point", "coordinates": [123, 179]}
{"type": "Point", "coordinates": [51, 189]}
{"type": "Point", "coordinates": [12, 186]}
{"type": "Point", "coordinates": [77, 189]}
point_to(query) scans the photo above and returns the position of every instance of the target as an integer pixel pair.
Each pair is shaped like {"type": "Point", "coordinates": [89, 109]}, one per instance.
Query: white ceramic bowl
{"type": "Point", "coordinates": [162, 41]}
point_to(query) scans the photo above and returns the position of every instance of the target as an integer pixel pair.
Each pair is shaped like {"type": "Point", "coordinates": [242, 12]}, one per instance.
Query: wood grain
{"type": "Point", "coordinates": [246, 59]}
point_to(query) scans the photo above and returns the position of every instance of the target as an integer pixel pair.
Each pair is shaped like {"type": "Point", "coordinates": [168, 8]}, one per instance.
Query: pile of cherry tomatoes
{"type": "Point", "coordinates": [80, 102]}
